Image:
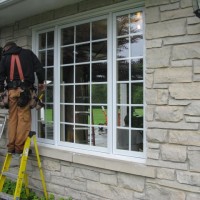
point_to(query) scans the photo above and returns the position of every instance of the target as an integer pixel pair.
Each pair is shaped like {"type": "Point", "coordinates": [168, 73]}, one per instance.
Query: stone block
{"type": "Point", "coordinates": [192, 119]}
{"type": "Point", "coordinates": [191, 196]}
{"type": "Point", "coordinates": [67, 172]}
{"type": "Point", "coordinates": [172, 6]}
{"type": "Point", "coordinates": [194, 29]}
{"type": "Point", "coordinates": [181, 40]}
{"type": "Point", "coordinates": [186, 3]}
{"type": "Point", "coordinates": [149, 114]}
{"type": "Point", "coordinates": [189, 178]}
{"type": "Point", "coordinates": [157, 96]}
{"type": "Point", "coordinates": [56, 189]}
{"type": "Point", "coordinates": [153, 154]}
{"type": "Point", "coordinates": [86, 174]}
{"type": "Point", "coordinates": [174, 153]}
{"type": "Point", "coordinates": [194, 160]}
{"type": "Point", "coordinates": [196, 77]}
{"type": "Point", "coordinates": [158, 57]}
{"type": "Point", "coordinates": [193, 109]}
{"type": "Point", "coordinates": [181, 63]}
{"type": "Point", "coordinates": [153, 145]}
{"type": "Point", "coordinates": [51, 165]}
{"type": "Point", "coordinates": [184, 137]}
{"type": "Point", "coordinates": [197, 66]}
{"type": "Point", "coordinates": [169, 113]}
{"type": "Point", "coordinates": [157, 135]}
{"type": "Point", "coordinates": [185, 91]}
{"type": "Point", "coordinates": [108, 179]}
{"type": "Point", "coordinates": [149, 3]}
{"type": "Point", "coordinates": [152, 15]}
{"type": "Point", "coordinates": [157, 192]}
{"type": "Point", "coordinates": [192, 20]}
{"type": "Point", "coordinates": [107, 191]}
{"type": "Point", "coordinates": [168, 174]}
{"type": "Point", "coordinates": [173, 75]}
{"type": "Point", "coordinates": [186, 51]}
{"type": "Point", "coordinates": [156, 43]}
{"type": "Point", "coordinates": [166, 29]}
{"type": "Point", "coordinates": [175, 14]}
{"type": "Point", "coordinates": [131, 182]}
{"type": "Point", "coordinates": [149, 81]}
{"type": "Point", "coordinates": [174, 102]}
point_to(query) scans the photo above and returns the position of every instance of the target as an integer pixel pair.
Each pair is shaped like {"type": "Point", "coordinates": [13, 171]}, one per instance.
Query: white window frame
{"type": "Point", "coordinates": [112, 12]}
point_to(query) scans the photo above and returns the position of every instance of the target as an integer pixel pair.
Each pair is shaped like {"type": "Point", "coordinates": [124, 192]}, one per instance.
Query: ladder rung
{"type": "Point", "coordinates": [10, 175]}
{"type": "Point", "coordinates": [6, 196]}
{"type": "Point", "coordinates": [79, 128]}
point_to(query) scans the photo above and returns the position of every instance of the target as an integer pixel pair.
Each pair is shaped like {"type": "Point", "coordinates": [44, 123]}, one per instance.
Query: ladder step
{"type": "Point", "coordinates": [6, 196]}
{"type": "Point", "coordinates": [10, 175]}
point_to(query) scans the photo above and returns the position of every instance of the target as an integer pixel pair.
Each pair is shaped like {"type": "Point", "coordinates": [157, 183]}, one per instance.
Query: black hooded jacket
{"type": "Point", "coordinates": [29, 62]}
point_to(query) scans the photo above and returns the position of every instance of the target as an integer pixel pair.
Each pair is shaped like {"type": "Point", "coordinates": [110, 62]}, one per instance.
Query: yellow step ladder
{"type": "Point", "coordinates": [22, 176]}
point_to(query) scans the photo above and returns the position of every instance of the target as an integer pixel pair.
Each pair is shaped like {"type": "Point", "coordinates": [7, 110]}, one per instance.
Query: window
{"type": "Point", "coordinates": [99, 75]}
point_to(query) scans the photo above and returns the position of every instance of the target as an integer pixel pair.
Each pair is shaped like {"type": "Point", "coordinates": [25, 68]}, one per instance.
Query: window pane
{"type": "Point", "coordinates": [50, 76]}
{"type": "Point", "coordinates": [50, 57]}
{"type": "Point", "coordinates": [137, 93]}
{"type": "Point", "coordinates": [83, 53]}
{"type": "Point", "coordinates": [123, 70]}
{"type": "Point", "coordinates": [41, 129]}
{"type": "Point", "coordinates": [99, 116]}
{"type": "Point", "coordinates": [122, 25]}
{"type": "Point", "coordinates": [136, 22]}
{"type": "Point", "coordinates": [50, 39]}
{"type": "Point", "coordinates": [42, 57]}
{"type": "Point", "coordinates": [137, 117]}
{"type": "Point", "coordinates": [99, 93]}
{"type": "Point", "coordinates": [67, 74]}
{"type": "Point", "coordinates": [82, 114]}
{"type": "Point", "coordinates": [136, 46]}
{"type": "Point", "coordinates": [123, 47]}
{"type": "Point", "coordinates": [67, 55]}
{"type": "Point", "coordinates": [67, 132]}
{"type": "Point", "coordinates": [42, 41]}
{"type": "Point", "coordinates": [66, 94]}
{"type": "Point", "coordinates": [66, 113]}
{"type": "Point", "coordinates": [99, 51]}
{"type": "Point", "coordinates": [137, 69]}
{"type": "Point", "coordinates": [83, 33]}
{"type": "Point", "coordinates": [49, 94]}
{"type": "Point", "coordinates": [67, 36]}
{"type": "Point", "coordinates": [122, 139]}
{"type": "Point", "coordinates": [49, 131]}
{"type": "Point", "coordinates": [136, 140]}
{"type": "Point", "coordinates": [123, 93]}
{"type": "Point", "coordinates": [48, 113]}
{"type": "Point", "coordinates": [82, 73]}
{"type": "Point", "coordinates": [99, 29]}
{"type": "Point", "coordinates": [99, 72]}
{"type": "Point", "coordinates": [82, 94]}
{"type": "Point", "coordinates": [82, 134]}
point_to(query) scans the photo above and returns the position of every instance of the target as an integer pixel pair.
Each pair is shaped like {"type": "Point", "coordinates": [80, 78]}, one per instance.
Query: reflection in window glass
{"type": "Point", "coordinates": [82, 53]}
{"type": "Point", "coordinates": [50, 58]}
{"type": "Point", "coordinates": [42, 41]}
{"type": "Point", "coordinates": [67, 74]}
{"type": "Point", "coordinates": [136, 140]}
{"type": "Point", "coordinates": [137, 69]}
{"type": "Point", "coordinates": [137, 93]}
{"type": "Point", "coordinates": [67, 55]}
{"type": "Point", "coordinates": [82, 73]}
{"type": "Point", "coordinates": [123, 93]}
{"type": "Point", "coordinates": [123, 25]}
{"type": "Point", "coordinates": [82, 93]}
{"type": "Point", "coordinates": [82, 114]}
{"type": "Point", "coordinates": [99, 29]}
{"type": "Point", "coordinates": [66, 94]}
{"type": "Point", "coordinates": [123, 47]}
{"type": "Point", "coordinates": [123, 70]}
{"type": "Point", "coordinates": [67, 36]}
{"type": "Point", "coordinates": [99, 72]}
{"type": "Point", "coordinates": [49, 94]}
{"type": "Point", "coordinates": [50, 76]}
{"type": "Point", "coordinates": [83, 33]}
{"type": "Point", "coordinates": [137, 117]}
{"type": "Point", "coordinates": [136, 46]}
{"type": "Point", "coordinates": [66, 113]}
{"type": "Point", "coordinates": [67, 133]}
{"type": "Point", "coordinates": [123, 139]}
{"type": "Point", "coordinates": [50, 39]}
{"type": "Point", "coordinates": [99, 93]}
{"type": "Point", "coordinates": [42, 58]}
{"type": "Point", "coordinates": [99, 51]}
{"type": "Point", "coordinates": [136, 22]}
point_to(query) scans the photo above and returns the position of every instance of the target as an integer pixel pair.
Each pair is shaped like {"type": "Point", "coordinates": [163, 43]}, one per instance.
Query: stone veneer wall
{"type": "Point", "coordinates": [172, 113]}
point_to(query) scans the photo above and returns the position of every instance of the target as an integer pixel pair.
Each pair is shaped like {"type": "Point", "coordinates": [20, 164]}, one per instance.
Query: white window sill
{"type": "Point", "coordinates": [114, 164]}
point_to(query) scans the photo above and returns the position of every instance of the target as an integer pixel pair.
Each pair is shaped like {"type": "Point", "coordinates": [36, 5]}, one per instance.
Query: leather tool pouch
{"type": "Point", "coordinates": [34, 98]}
{"type": "Point", "coordinates": [24, 98]}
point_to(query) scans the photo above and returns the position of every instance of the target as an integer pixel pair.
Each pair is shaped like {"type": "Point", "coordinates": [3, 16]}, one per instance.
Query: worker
{"type": "Point", "coordinates": [17, 74]}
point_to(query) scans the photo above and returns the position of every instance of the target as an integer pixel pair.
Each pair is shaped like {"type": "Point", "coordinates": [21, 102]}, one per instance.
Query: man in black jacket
{"type": "Point", "coordinates": [15, 58]}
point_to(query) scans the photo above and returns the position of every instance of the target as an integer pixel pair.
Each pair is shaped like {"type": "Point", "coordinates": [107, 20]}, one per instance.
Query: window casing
{"type": "Point", "coordinates": [99, 92]}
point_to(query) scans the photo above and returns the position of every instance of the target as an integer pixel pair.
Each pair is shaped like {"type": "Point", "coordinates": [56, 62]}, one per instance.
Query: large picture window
{"type": "Point", "coordinates": [99, 75]}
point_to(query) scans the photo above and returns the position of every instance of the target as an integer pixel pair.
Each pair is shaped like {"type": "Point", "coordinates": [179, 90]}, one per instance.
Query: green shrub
{"type": "Point", "coordinates": [9, 188]}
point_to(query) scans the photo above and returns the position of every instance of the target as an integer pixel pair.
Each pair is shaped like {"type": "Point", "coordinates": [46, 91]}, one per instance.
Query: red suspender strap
{"type": "Point", "coordinates": [19, 67]}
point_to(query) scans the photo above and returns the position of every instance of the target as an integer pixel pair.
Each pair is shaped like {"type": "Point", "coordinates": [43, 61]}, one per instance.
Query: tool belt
{"type": "Point", "coordinates": [17, 83]}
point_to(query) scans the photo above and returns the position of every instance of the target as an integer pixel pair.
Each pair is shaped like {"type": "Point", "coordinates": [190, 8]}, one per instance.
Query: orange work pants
{"type": "Point", "coordinates": [19, 123]}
